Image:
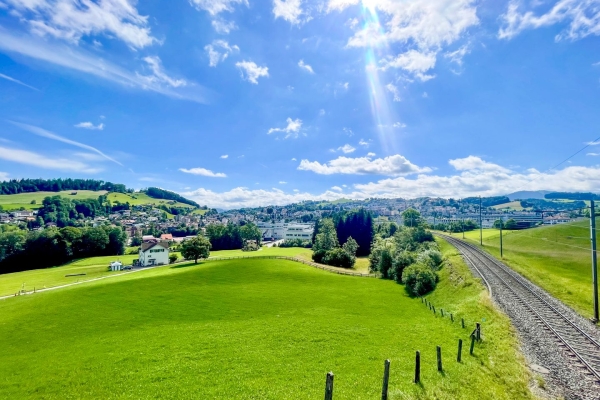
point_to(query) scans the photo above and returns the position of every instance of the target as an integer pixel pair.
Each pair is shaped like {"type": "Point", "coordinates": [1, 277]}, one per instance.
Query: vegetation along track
{"type": "Point", "coordinates": [585, 348]}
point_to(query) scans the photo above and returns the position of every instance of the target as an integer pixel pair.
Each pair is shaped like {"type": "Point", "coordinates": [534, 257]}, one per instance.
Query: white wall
{"type": "Point", "coordinates": [156, 255]}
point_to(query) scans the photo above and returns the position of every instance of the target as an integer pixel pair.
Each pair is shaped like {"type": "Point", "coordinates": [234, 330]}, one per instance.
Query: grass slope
{"type": "Point", "coordinates": [558, 258]}
{"type": "Point", "coordinates": [250, 329]}
{"type": "Point", "coordinates": [95, 267]}
{"type": "Point", "coordinates": [15, 201]}
{"type": "Point", "coordinates": [513, 205]}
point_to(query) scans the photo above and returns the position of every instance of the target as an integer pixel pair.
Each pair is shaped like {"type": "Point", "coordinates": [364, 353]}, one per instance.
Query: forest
{"type": "Point", "coordinates": [16, 186]}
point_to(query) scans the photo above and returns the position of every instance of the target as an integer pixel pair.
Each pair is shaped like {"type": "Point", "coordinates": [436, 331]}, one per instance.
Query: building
{"type": "Point", "coordinates": [166, 236]}
{"type": "Point", "coordinates": [154, 253]}
{"type": "Point", "coordinates": [116, 266]}
{"type": "Point", "coordinates": [283, 230]}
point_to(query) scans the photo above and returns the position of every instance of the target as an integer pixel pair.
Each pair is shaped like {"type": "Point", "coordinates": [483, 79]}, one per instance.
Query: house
{"type": "Point", "coordinates": [154, 253]}
{"type": "Point", "coordinates": [116, 266]}
{"type": "Point", "coordinates": [148, 238]}
{"type": "Point", "coordinates": [166, 236]}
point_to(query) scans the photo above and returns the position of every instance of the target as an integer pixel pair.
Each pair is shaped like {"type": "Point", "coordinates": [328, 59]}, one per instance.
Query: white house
{"type": "Point", "coordinates": [154, 253]}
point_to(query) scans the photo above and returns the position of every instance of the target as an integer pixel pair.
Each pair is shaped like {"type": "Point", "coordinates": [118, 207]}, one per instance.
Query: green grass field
{"type": "Point", "coordinates": [253, 328]}
{"type": "Point", "coordinates": [513, 205]}
{"type": "Point", "coordinates": [558, 258]}
{"type": "Point", "coordinates": [95, 267]}
{"type": "Point", "coordinates": [16, 201]}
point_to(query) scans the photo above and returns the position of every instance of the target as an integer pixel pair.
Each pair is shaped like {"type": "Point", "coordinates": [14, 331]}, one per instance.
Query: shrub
{"type": "Point", "coordinates": [401, 262]}
{"type": "Point", "coordinates": [172, 258]}
{"type": "Point", "coordinates": [338, 257]}
{"type": "Point", "coordinates": [431, 258]}
{"type": "Point", "coordinates": [318, 256]}
{"type": "Point", "coordinates": [296, 243]}
{"type": "Point", "coordinates": [419, 279]}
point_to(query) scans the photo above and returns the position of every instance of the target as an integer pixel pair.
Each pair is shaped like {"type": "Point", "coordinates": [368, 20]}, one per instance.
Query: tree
{"type": "Point", "coordinates": [327, 237]}
{"type": "Point", "coordinates": [251, 232]}
{"type": "Point", "coordinates": [411, 217]}
{"type": "Point", "coordinates": [511, 224]}
{"type": "Point", "coordinates": [195, 248]}
{"type": "Point", "coordinates": [172, 258]}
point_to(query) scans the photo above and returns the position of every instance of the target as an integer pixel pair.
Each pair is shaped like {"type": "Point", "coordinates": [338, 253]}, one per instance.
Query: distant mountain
{"type": "Point", "coordinates": [528, 194]}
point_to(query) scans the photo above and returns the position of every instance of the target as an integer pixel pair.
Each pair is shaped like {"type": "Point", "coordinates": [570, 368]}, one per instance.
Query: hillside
{"type": "Point", "coordinates": [555, 257]}
{"type": "Point", "coordinates": [252, 328]}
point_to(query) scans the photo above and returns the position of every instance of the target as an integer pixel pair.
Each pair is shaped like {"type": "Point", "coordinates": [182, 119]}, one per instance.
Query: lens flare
{"type": "Point", "coordinates": [377, 45]}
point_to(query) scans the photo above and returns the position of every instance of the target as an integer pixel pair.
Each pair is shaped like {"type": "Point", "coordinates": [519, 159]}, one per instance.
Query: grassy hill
{"type": "Point", "coordinates": [253, 328]}
{"type": "Point", "coordinates": [16, 201]}
{"type": "Point", "coordinates": [512, 206]}
{"type": "Point", "coordinates": [558, 258]}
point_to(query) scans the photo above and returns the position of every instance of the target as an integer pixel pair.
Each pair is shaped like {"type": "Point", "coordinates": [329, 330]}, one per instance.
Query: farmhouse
{"type": "Point", "coordinates": [154, 253]}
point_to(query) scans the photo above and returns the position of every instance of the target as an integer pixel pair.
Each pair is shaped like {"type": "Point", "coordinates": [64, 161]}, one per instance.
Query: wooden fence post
{"type": "Point", "coordinates": [472, 344]}
{"type": "Point", "coordinates": [386, 380]}
{"type": "Point", "coordinates": [329, 386]}
{"type": "Point", "coordinates": [442, 310]}
{"type": "Point", "coordinates": [451, 317]}
{"type": "Point", "coordinates": [418, 367]}
{"type": "Point", "coordinates": [433, 309]}
{"type": "Point", "coordinates": [439, 358]}
{"type": "Point", "coordinates": [458, 357]}
{"type": "Point", "coordinates": [478, 332]}
{"type": "Point", "coordinates": [462, 321]}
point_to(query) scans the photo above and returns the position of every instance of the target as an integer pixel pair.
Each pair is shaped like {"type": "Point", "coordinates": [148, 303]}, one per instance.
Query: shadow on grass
{"type": "Point", "coordinates": [187, 265]}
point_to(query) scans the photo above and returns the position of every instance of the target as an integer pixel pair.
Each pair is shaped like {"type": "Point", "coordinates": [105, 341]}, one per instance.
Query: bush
{"type": "Point", "coordinates": [172, 258]}
{"type": "Point", "coordinates": [318, 256]}
{"type": "Point", "coordinates": [400, 263]}
{"type": "Point", "coordinates": [338, 257]}
{"type": "Point", "coordinates": [419, 279]}
{"type": "Point", "coordinates": [296, 243]}
{"type": "Point", "coordinates": [432, 258]}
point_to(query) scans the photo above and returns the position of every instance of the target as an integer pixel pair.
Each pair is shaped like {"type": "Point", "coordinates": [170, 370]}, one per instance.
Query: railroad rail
{"type": "Point", "coordinates": [585, 348]}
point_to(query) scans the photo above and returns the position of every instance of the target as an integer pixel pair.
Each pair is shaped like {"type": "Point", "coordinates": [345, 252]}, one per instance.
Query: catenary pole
{"type": "Point", "coordinates": [594, 258]}
{"type": "Point", "coordinates": [501, 223]}
{"type": "Point", "coordinates": [480, 224]}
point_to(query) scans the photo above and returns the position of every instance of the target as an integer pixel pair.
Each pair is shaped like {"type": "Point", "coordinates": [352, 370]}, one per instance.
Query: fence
{"type": "Point", "coordinates": [475, 336]}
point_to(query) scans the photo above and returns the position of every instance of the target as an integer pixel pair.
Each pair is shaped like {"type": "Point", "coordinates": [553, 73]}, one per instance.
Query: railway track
{"type": "Point", "coordinates": [581, 345]}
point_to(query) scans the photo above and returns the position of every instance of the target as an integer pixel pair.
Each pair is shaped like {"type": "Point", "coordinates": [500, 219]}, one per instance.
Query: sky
{"type": "Point", "coordinates": [242, 103]}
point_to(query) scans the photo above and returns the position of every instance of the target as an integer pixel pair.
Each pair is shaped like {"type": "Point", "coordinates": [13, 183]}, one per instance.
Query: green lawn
{"type": "Point", "coordinates": [513, 205]}
{"type": "Point", "coordinates": [139, 198]}
{"type": "Point", "coordinates": [558, 258]}
{"type": "Point", "coordinates": [253, 328]}
{"type": "Point", "coordinates": [95, 267]}
{"type": "Point", "coordinates": [15, 201]}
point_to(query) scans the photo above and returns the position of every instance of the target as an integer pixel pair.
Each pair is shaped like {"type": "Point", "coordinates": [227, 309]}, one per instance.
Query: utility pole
{"type": "Point", "coordinates": [594, 258]}
{"type": "Point", "coordinates": [501, 223]}
{"type": "Point", "coordinates": [480, 224]}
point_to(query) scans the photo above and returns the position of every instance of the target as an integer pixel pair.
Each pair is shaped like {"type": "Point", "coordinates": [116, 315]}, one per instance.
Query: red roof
{"type": "Point", "coordinates": [166, 236]}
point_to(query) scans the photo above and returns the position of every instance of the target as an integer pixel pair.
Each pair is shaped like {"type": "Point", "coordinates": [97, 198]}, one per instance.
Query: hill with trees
{"type": "Point", "coordinates": [157, 193]}
{"type": "Point", "coordinates": [16, 186]}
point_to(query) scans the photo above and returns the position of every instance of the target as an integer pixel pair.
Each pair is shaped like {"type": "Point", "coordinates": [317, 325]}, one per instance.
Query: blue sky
{"type": "Point", "coordinates": [244, 103]}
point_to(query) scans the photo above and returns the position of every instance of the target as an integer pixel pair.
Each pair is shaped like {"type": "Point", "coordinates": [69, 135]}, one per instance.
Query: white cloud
{"type": "Point", "coordinates": [218, 51]}
{"type": "Point", "coordinates": [305, 67]}
{"type": "Point", "coordinates": [393, 166]}
{"type": "Point", "coordinates": [393, 89]}
{"type": "Point", "coordinates": [76, 59]}
{"type": "Point", "coordinates": [593, 143]}
{"type": "Point", "coordinates": [294, 159]}
{"type": "Point", "coordinates": [89, 125]}
{"type": "Point", "coordinates": [38, 160]}
{"type": "Point", "coordinates": [49, 135]}
{"type": "Point", "coordinates": [422, 28]}
{"type": "Point", "coordinates": [348, 131]}
{"type": "Point", "coordinates": [425, 95]}
{"type": "Point", "coordinates": [363, 143]}
{"type": "Point", "coordinates": [321, 112]}
{"type": "Point", "coordinates": [159, 75]}
{"type": "Point", "coordinates": [490, 182]}
{"type": "Point", "coordinates": [292, 129]}
{"type": "Point", "coordinates": [225, 156]}
{"type": "Point", "coordinates": [371, 154]}
{"type": "Point", "coordinates": [223, 27]}
{"type": "Point", "coordinates": [282, 182]}
{"type": "Point", "coordinates": [215, 7]}
{"type": "Point", "coordinates": [415, 62]}
{"type": "Point", "coordinates": [289, 10]}
{"type": "Point", "coordinates": [583, 17]}
{"type": "Point", "coordinates": [399, 125]}
{"type": "Point", "coordinates": [473, 163]}
{"type": "Point", "coordinates": [346, 149]}
{"type": "Point", "coordinates": [72, 19]}
{"type": "Point", "coordinates": [458, 55]}
{"type": "Point", "coordinates": [251, 72]}
{"type": "Point", "coordinates": [337, 188]}
{"type": "Point", "coordinates": [593, 154]}
{"type": "Point", "coordinates": [8, 78]}
{"type": "Point", "coordinates": [203, 172]}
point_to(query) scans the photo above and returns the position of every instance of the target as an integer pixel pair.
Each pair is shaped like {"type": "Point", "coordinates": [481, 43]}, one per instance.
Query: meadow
{"type": "Point", "coordinates": [16, 201]}
{"type": "Point", "coordinates": [557, 258]}
{"type": "Point", "coordinates": [254, 328]}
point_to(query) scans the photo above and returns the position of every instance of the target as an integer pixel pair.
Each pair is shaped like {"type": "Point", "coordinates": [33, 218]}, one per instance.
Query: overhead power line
{"type": "Point", "coordinates": [574, 154]}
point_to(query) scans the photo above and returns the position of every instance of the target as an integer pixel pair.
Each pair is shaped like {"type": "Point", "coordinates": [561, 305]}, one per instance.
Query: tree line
{"type": "Point", "coordinates": [232, 236]}
{"type": "Point", "coordinates": [157, 193]}
{"type": "Point", "coordinates": [16, 186]}
{"type": "Point", "coordinates": [21, 250]}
